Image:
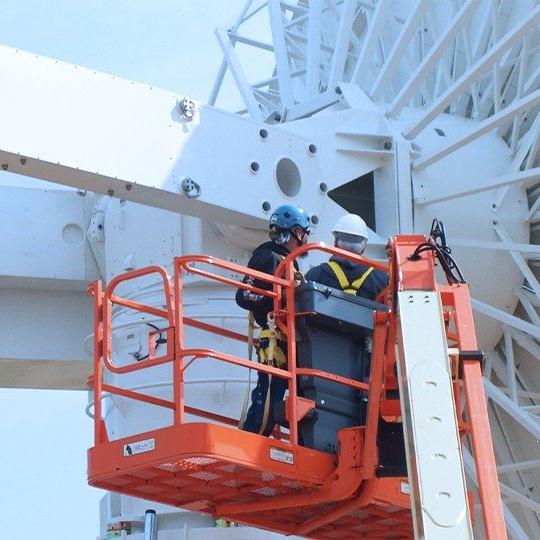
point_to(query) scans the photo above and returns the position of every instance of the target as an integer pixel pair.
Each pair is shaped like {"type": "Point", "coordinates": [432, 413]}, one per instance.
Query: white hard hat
{"type": "Point", "coordinates": [351, 224]}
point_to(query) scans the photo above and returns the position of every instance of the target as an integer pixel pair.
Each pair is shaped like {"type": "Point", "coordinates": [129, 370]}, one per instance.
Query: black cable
{"type": "Point", "coordinates": [437, 243]}
{"type": "Point", "coordinates": [159, 341]}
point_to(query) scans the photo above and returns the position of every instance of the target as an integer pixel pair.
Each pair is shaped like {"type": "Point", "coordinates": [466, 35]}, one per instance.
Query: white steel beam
{"type": "Point", "coordinates": [524, 341]}
{"type": "Point", "coordinates": [100, 142]}
{"type": "Point", "coordinates": [520, 466]}
{"type": "Point", "coordinates": [429, 62]}
{"type": "Point", "coordinates": [370, 42]}
{"type": "Point", "coordinates": [521, 263]}
{"type": "Point", "coordinates": [529, 308]}
{"type": "Point", "coordinates": [512, 524]}
{"type": "Point", "coordinates": [510, 363]}
{"type": "Point", "coordinates": [472, 75]}
{"type": "Point", "coordinates": [307, 108]}
{"type": "Point", "coordinates": [520, 498]}
{"type": "Point", "coordinates": [238, 74]}
{"type": "Point", "coordinates": [506, 318]}
{"type": "Point", "coordinates": [223, 67]}
{"type": "Point", "coordinates": [281, 52]}
{"type": "Point", "coordinates": [528, 249]}
{"type": "Point", "coordinates": [396, 54]}
{"type": "Point", "coordinates": [493, 122]}
{"type": "Point", "coordinates": [435, 192]}
{"type": "Point", "coordinates": [313, 49]}
{"type": "Point", "coordinates": [510, 407]}
{"type": "Point", "coordinates": [343, 40]}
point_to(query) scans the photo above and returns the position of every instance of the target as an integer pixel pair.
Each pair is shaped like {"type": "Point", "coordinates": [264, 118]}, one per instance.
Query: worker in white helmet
{"type": "Point", "coordinates": [351, 234]}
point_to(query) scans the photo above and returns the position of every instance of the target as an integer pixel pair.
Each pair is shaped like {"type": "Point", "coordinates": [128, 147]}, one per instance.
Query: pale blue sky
{"type": "Point", "coordinates": [171, 44]}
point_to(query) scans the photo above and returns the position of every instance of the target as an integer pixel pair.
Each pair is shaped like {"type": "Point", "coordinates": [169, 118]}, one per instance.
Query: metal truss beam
{"type": "Point", "coordinates": [396, 54]}
{"type": "Point", "coordinates": [530, 250]}
{"type": "Point", "coordinates": [512, 524]}
{"type": "Point", "coordinates": [343, 40]}
{"type": "Point", "coordinates": [313, 49]}
{"type": "Point", "coordinates": [516, 412]}
{"type": "Point", "coordinates": [370, 42]}
{"type": "Point", "coordinates": [506, 318]}
{"type": "Point", "coordinates": [281, 52]}
{"type": "Point", "coordinates": [492, 123]}
{"type": "Point", "coordinates": [250, 101]}
{"type": "Point", "coordinates": [437, 192]}
{"type": "Point", "coordinates": [471, 76]}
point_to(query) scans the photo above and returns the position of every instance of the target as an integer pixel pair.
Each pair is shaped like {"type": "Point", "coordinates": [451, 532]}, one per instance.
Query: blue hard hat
{"type": "Point", "coordinates": [288, 216]}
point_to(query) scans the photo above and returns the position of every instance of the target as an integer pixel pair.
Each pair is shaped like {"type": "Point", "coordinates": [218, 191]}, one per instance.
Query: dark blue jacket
{"type": "Point", "coordinates": [265, 259]}
{"type": "Point", "coordinates": [372, 286]}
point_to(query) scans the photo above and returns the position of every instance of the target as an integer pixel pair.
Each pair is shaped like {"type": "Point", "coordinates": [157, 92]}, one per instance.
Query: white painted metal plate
{"type": "Point", "coordinates": [285, 456]}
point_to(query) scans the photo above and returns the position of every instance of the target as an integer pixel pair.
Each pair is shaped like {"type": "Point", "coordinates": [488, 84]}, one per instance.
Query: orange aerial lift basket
{"type": "Point", "coordinates": [274, 482]}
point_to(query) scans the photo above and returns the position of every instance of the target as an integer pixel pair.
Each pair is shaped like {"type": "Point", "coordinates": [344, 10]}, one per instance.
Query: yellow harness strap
{"type": "Point", "coordinates": [349, 288]}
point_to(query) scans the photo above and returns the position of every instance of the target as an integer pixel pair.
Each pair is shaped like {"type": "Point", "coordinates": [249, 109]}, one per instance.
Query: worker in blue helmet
{"type": "Point", "coordinates": [289, 229]}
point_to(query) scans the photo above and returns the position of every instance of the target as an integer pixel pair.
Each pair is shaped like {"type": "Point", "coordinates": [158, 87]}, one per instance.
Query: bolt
{"type": "Point", "coordinates": [23, 161]}
{"type": "Point", "coordinates": [110, 192]}
{"type": "Point", "coordinates": [339, 91]}
{"type": "Point", "coordinates": [495, 222]}
{"type": "Point", "coordinates": [277, 117]}
{"type": "Point", "coordinates": [387, 145]}
{"type": "Point", "coordinates": [5, 166]}
{"type": "Point", "coordinates": [128, 187]}
{"type": "Point", "coordinates": [494, 205]}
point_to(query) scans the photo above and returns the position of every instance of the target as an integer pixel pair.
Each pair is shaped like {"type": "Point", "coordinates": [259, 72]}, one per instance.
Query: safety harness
{"type": "Point", "coordinates": [271, 355]}
{"type": "Point", "coordinates": [349, 288]}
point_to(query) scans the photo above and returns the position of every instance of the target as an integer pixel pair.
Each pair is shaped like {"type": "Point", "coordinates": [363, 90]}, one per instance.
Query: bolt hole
{"type": "Point", "coordinates": [323, 187]}
{"type": "Point", "coordinates": [253, 166]}
{"type": "Point", "coordinates": [314, 219]}
{"type": "Point", "coordinates": [312, 149]}
{"type": "Point", "coordinates": [266, 206]}
{"type": "Point", "coordinates": [263, 133]}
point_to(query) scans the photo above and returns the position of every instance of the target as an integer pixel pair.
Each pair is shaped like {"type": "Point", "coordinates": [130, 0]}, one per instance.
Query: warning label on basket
{"type": "Point", "coordinates": [405, 488]}
{"type": "Point", "coordinates": [281, 455]}
{"type": "Point", "coordinates": [138, 447]}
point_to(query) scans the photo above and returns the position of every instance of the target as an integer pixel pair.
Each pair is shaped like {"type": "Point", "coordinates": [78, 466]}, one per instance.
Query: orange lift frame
{"type": "Point", "coordinates": [275, 483]}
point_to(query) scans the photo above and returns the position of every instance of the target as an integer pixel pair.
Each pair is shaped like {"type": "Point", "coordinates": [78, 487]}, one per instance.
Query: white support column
{"type": "Point", "coordinates": [506, 318]}
{"type": "Point", "coordinates": [343, 41]}
{"type": "Point", "coordinates": [481, 67]}
{"type": "Point", "coordinates": [281, 53]}
{"type": "Point", "coordinates": [428, 64]}
{"type": "Point", "coordinates": [510, 364]}
{"type": "Point", "coordinates": [238, 73]}
{"type": "Point", "coordinates": [512, 524]}
{"type": "Point", "coordinates": [396, 54]}
{"type": "Point", "coordinates": [521, 263]}
{"type": "Point", "coordinates": [439, 492]}
{"type": "Point", "coordinates": [370, 42]}
{"type": "Point", "coordinates": [313, 49]}
{"type": "Point", "coordinates": [519, 415]}
{"type": "Point", "coordinates": [223, 67]}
